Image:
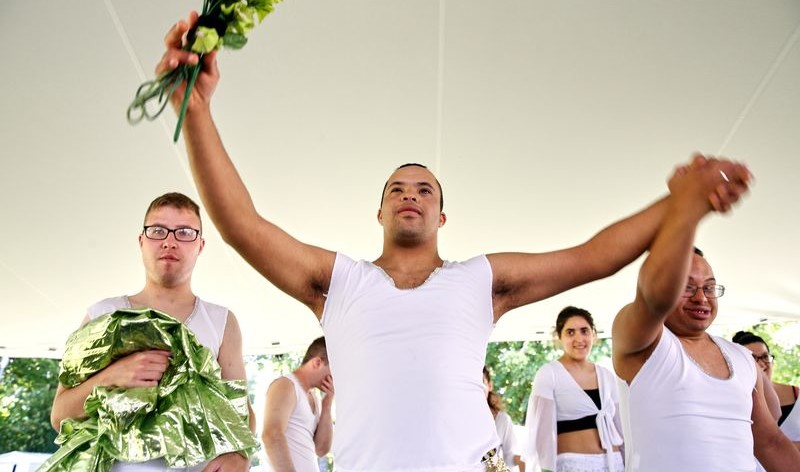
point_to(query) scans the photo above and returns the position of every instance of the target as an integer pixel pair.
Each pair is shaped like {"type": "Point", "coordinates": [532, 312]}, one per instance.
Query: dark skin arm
{"type": "Point", "coordinates": [772, 448]}
{"type": "Point", "coordinates": [662, 277]}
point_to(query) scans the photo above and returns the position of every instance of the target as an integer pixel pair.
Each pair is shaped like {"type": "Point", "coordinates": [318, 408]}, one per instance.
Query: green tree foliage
{"type": "Point", "coordinates": [514, 365]}
{"type": "Point", "coordinates": [27, 388]}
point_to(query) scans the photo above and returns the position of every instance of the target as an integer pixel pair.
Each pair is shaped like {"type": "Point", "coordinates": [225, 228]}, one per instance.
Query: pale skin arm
{"type": "Point", "coordinates": [300, 270]}
{"type": "Point", "coordinates": [281, 401]}
{"type": "Point", "coordinates": [772, 448]}
{"type": "Point", "coordinates": [231, 365]}
{"type": "Point", "coordinates": [662, 277]}
{"type": "Point", "coordinates": [231, 360]}
{"type": "Point", "coordinates": [323, 436]}
{"type": "Point", "coordinates": [140, 369]}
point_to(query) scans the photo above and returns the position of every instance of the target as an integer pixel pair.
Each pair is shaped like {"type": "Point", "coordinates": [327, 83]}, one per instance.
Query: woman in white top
{"type": "Point", "coordinates": [504, 425]}
{"type": "Point", "coordinates": [788, 416]}
{"type": "Point", "coordinates": [573, 415]}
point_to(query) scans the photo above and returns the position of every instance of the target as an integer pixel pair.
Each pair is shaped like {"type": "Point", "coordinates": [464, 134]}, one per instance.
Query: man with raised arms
{"type": "Point", "coordinates": [407, 332]}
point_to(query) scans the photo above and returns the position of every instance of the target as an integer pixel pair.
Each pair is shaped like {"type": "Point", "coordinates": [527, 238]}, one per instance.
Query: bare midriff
{"type": "Point", "coordinates": [586, 441]}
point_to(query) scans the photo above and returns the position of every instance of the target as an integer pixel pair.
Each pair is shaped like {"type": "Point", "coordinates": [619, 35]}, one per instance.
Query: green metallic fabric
{"type": "Point", "coordinates": [190, 417]}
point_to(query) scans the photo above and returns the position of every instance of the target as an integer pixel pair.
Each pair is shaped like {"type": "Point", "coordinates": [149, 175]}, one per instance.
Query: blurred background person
{"type": "Point", "coordinates": [298, 424]}
{"type": "Point", "coordinates": [789, 418]}
{"type": "Point", "coordinates": [505, 427]}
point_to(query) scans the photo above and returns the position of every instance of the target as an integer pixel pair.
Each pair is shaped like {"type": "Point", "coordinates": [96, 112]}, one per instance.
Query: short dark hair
{"type": "Point", "coordinates": [176, 200]}
{"type": "Point", "coordinates": [317, 348]}
{"type": "Point", "coordinates": [569, 312]}
{"type": "Point", "coordinates": [414, 164]}
{"type": "Point", "coordinates": [746, 337]}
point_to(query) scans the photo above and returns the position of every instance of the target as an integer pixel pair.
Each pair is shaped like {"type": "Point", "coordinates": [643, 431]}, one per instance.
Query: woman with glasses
{"type": "Point", "coordinates": [573, 413]}
{"type": "Point", "coordinates": [789, 414]}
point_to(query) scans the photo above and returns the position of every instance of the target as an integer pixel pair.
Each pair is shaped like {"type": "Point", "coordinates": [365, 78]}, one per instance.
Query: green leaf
{"type": "Point", "coordinates": [234, 40]}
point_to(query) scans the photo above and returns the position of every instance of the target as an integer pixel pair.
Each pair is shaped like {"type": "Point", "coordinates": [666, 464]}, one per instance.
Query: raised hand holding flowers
{"type": "Point", "coordinates": [221, 23]}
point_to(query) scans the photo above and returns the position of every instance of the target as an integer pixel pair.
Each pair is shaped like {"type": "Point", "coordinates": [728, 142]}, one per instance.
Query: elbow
{"type": "Point", "coordinates": [659, 298]}
{"type": "Point", "coordinates": [658, 307]}
{"type": "Point", "coordinates": [228, 236]}
{"type": "Point", "coordinates": [55, 421]}
{"type": "Point", "coordinates": [323, 449]}
{"type": "Point", "coordinates": [272, 437]}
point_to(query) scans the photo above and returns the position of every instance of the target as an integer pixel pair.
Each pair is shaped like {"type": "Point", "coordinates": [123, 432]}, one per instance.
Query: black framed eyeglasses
{"type": "Point", "coordinates": [765, 358]}
{"type": "Point", "coordinates": [710, 291]}
{"type": "Point", "coordinates": [160, 233]}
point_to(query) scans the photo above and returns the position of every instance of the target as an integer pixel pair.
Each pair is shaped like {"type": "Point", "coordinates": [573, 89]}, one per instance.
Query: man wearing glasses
{"type": "Point", "coordinates": [170, 243]}
{"type": "Point", "coordinates": [694, 401]}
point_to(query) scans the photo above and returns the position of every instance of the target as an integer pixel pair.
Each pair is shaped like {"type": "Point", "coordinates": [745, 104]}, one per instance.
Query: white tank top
{"type": "Point", "coordinates": [407, 365]}
{"type": "Point", "coordinates": [791, 425]}
{"type": "Point", "coordinates": [681, 418]}
{"type": "Point", "coordinates": [207, 322]}
{"type": "Point", "coordinates": [300, 430]}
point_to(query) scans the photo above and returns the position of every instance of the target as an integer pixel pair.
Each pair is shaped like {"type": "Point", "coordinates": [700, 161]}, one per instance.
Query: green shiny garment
{"type": "Point", "coordinates": [190, 417]}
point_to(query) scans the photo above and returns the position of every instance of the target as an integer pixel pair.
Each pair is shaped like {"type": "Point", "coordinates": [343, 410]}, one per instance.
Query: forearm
{"type": "Point", "coordinates": [770, 396]}
{"type": "Point", "coordinates": [278, 452]}
{"type": "Point", "coordinates": [663, 274]}
{"type": "Point", "coordinates": [622, 242]}
{"type": "Point", "coordinates": [251, 418]}
{"type": "Point", "coordinates": [777, 453]}
{"type": "Point", "coordinates": [69, 402]}
{"type": "Point", "coordinates": [323, 436]}
{"type": "Point", "coordinates": [221, 189]}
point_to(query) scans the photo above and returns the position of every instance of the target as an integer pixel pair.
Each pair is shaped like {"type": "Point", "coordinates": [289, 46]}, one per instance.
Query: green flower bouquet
{"type": "Point", "coordinates": [221, 23]}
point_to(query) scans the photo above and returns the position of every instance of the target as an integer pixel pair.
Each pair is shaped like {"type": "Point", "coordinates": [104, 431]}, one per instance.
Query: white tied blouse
{"type": "Point", "coordinates": [556, 396]}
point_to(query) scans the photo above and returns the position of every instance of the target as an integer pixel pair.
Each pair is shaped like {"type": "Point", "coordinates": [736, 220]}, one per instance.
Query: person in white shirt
{"type": "Point", "coordinates": [509, 447]}
{"type": "Point", "coordinates": [170, 243]}
{"type": "Point", "coordinates": [785, 396]}
{"type": "Point", "coordinates": [298, 426]}
{"type": "Point", "coordinates": [693, 401]}
{"type": "Point", "coordinates": [573, 414]}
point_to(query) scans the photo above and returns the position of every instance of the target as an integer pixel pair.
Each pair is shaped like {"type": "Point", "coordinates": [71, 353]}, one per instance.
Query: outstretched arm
{"type": "Point", "coordinates": [300, 270]}
{"type": "Point", "coordinates": [520, 279]}
{"type": "Point", "coordinates": [663, 275]}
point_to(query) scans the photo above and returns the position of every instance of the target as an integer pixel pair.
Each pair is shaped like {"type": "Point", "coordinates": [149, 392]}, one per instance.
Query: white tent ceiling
{"type": "Point", "coordinates": [544, 120]}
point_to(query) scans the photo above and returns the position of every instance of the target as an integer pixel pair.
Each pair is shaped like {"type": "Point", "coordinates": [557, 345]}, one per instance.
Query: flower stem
{"type": "Point", "coordinates": [186, 95]}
